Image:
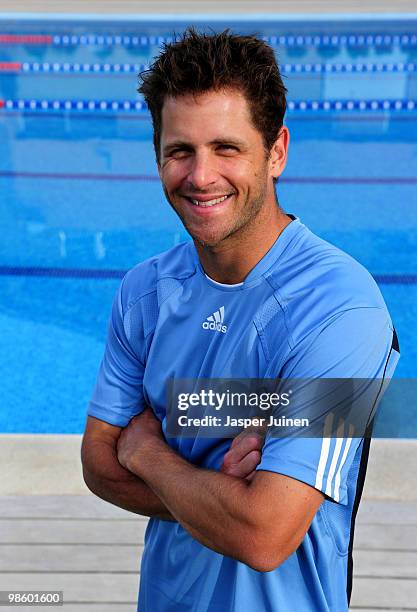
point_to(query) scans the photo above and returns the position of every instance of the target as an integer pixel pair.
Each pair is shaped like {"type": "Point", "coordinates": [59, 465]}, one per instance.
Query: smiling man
{"type": "Point", "coordinates": [216, 179]}
{"type": "Point", "coordinates": [254, 295]}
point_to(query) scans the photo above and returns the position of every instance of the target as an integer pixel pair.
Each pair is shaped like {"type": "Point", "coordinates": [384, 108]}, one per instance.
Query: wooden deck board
{"type": "Point", "coordinates": [74, 531]}
{"type": "Point", "coordinates": [90, 550]}
{"type": "Point", "coordinates": [391, 537]}
{"type": "Point", "coordinates": [382, 592]}
{"type": "Point", "coordinates": [94, 588]}
{"type": "Point", "coordinates": [385, 564]}
{"type": "Point", "coordinates": [60, 507]}
{"type": "Point", "coordinates": [79, 558]}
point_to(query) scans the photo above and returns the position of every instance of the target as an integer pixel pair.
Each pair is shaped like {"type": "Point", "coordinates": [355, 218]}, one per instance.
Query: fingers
{"type": "Point", "coordinates": [243, 468]}
{"type": "Point", "coordinates": [244, 455]}
{"type": "Point", "coordinates": [243, 444]}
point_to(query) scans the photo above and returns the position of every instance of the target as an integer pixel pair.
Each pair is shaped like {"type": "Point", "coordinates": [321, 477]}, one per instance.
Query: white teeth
{"type": "Point", "coordinates": [210, 202]}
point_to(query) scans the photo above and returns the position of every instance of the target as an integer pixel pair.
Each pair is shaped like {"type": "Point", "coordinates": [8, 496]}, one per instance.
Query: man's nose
{"type": "Point", "coordinates": [203, 170]}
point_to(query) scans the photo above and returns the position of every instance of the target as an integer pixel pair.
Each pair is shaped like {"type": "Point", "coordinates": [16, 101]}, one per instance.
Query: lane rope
{"type": "Point", "coordinates": [127, 68]}
{"type": "Point", "coordinates": [26, 39]}
{"type": "Point", "coordinates": [140, 106]}
{"type": "Point", "coordinates": [290, 40]}
{"type": "Point", "coordinates": [91, 273]}
{"type": "Point", "coordinates": [292, 180]}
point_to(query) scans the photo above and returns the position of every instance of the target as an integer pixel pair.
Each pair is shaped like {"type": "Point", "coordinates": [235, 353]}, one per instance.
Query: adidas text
{"type": "Point", "coordinates": [215, 326]}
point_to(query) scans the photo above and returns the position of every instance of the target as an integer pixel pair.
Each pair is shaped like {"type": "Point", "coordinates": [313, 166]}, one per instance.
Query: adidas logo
{"type": "Point", "coordinates": [215, 321]}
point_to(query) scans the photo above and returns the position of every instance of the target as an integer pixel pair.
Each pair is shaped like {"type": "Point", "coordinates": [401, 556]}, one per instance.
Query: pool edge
{"type": "Point", "coordinates": [49, 464]}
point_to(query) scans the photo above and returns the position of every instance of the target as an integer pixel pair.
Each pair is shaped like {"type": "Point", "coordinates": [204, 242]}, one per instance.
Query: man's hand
{"type": "Point", "coordinates": [244, 455]}
{"type": "Point", "coordinates": [239, 461]}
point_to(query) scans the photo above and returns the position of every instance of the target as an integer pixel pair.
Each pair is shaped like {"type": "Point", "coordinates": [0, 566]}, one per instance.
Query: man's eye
{"type": "Point", "coordinates": [227, 147]}
{"type": "Point", "coordinates": [178, 153]}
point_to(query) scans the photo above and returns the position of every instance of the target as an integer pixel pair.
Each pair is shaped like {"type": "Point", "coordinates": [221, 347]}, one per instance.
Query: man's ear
{"type": "Point", "coordinates": [279, 152]}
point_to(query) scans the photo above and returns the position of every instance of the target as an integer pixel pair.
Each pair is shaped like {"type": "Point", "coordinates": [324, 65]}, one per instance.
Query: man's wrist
{"type": "Point", "coordinates": [145, 457]}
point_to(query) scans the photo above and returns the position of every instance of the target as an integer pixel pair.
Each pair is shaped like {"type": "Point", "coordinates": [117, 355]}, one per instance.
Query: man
{"type": "Point", "coordinates": [222, 538]}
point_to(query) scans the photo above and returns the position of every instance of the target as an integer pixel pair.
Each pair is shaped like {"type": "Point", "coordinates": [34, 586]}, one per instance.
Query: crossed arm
{"type": "Point", "coordinates": [258, 520]}
{"type": "Point", "coordinates": [108, 479]}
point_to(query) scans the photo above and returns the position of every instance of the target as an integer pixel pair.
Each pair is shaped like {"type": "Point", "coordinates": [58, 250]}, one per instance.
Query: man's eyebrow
{"type": "Point", "coordinates": [181, 144]}
{"type": "Point", "coordinates": [228, 141]}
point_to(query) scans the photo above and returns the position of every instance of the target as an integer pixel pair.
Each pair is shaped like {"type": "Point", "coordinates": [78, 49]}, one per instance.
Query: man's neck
{"type": "Point", "coordinates": [231, 261]}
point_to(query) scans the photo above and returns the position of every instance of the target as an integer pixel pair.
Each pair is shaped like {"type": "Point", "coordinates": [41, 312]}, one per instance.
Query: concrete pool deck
{"type": "Point", "coordinates": [47, 464]}
{"type": "Point", "coordinates": [54, 534]}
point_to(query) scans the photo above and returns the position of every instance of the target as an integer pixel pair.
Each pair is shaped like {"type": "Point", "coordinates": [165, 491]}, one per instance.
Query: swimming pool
{"type": "Point", "coordinates": [80, 201]}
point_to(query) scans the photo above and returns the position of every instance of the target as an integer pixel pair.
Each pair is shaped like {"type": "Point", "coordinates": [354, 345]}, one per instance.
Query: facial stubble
{"type": "Point", "coordinates": [241, 225]}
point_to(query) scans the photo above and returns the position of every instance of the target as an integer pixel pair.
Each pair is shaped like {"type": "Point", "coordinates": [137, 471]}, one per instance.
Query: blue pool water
{"type": "Point", "coordinates": [79, 192]}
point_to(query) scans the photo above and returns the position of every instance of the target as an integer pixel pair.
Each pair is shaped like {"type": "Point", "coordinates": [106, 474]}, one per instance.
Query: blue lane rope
{"type": "Point", "coordinates": [53, 67]}
{"type": "Point", "coordinates": [75, 105]}
{"type": "Point", "coordinates": [61, 272]}
{"type": "Point", "coordinates": [286, 68]}
{"type": "Point", "coordinates": [290, 40]}
{"type": "Point", "coordinates": [352, 105]}
{"type": "Point", "coordinates": [381, 279]}
{"type": "Point", "coordinates": [138, 105]}
{"type": "Point", "coordinates": [358, 67]}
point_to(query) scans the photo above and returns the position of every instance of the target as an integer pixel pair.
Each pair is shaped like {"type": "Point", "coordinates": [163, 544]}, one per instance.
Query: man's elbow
{"type": "Point", "coordinates": [89, 479]}
{"type": "Point", "coordinates": [94, 460]}
{"type": "Point", "coordinates": [85, 462]}
{"type": "Point", "coordinates": [264, 561]}
{"type": "Point", "coordinates": [265, 554]}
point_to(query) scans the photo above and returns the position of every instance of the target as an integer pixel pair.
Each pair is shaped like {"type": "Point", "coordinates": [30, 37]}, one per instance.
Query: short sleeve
{"type": "Point", "coordinates": [118, 392]}
{"type": "Point", "coordinates": [357, 343]}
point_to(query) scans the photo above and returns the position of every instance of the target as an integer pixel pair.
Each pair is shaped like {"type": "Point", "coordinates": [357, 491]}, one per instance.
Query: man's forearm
{"type": "Point", "coordinates": [107, 479]}
{"type": "Point", "coordinates": [212, 506]}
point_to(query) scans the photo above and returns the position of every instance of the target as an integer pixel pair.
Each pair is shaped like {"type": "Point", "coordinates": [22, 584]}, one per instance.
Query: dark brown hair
{"type": "Point", "coordinates": [196, 63]}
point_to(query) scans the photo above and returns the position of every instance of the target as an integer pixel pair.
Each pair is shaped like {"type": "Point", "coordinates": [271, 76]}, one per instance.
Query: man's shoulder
{"type": "Point", "coordinates": [159, 272]}
{"type": "Point", "coordinates": [314, 285]}
{"type": "Point", "coordinates": [320, 270]}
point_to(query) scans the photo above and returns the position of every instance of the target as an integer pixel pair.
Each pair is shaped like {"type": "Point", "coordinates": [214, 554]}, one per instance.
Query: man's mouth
{"type": "Point", "coordinates": [205, 203]}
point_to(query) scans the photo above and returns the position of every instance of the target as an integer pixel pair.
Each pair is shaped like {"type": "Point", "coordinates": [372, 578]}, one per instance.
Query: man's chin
{"type": "Point", "coordinates": [207, 241]}
{"type": "Point", "coordinates": [205, 237]}
{"type": "Point", "coordinates": [213, 239]}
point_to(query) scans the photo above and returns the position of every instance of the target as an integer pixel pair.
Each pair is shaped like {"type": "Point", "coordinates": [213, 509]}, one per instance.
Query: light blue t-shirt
{"type": "Point", "coordinates": [307, 310]}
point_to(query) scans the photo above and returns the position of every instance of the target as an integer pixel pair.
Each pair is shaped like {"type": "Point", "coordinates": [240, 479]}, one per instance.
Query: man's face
{"type": "Point", "coordinates": [213, 164]}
